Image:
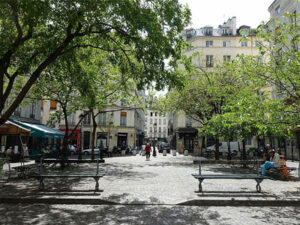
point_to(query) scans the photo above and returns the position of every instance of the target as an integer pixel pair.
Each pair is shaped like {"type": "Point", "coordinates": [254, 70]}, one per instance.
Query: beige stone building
{"type": "Point", "coordinates": [117, 126]}
{"type": "Point", "coordinates": [213, 46]}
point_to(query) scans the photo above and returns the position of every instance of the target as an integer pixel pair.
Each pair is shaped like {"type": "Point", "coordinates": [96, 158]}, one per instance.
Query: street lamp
{"type": "Point", "coordinates": [155, 126]}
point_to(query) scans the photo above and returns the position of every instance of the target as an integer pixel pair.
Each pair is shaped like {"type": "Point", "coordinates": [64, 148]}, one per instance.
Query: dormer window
{"type": "Point", "coordinates": [225, 31]}
{"type": "Point", "coordinates": [208, 30]}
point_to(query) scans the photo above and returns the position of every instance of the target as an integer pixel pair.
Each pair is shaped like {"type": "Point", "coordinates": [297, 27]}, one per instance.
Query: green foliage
{"type": "Point", "coordinates": [35, 33]}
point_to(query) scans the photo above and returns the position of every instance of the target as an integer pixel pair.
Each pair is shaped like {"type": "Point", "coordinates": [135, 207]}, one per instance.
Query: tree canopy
{"type": "Point", "coordinates": [35, 33]}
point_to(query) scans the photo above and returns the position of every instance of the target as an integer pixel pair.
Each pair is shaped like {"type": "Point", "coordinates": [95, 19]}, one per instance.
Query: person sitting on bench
{"type": "Point", "coordinates": [273, 163]}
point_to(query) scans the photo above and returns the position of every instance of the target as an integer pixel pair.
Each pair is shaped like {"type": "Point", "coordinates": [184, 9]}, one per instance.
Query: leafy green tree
{"type": "Point", "coordinates": [35, 33]}
{"type": "Point", "coordinates": [204, 95]}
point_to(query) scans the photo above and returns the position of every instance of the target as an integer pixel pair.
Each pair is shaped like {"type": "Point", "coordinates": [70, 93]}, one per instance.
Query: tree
{"type": "Point", "coordinates": [35, 33]}
{"type": "Point", "coordinates": [204, 95]}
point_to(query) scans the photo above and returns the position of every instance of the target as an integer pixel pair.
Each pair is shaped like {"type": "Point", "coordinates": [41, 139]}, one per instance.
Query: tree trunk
{"type": "Point", "coordinates": [229, 150]}
{"type": "Point", "coordinates": [292, 145]}
{"type": "Point", "coordinates": [244, 149]}
{"type": "Point", "coordinates": [66, 137]}
{"type": "Point", "coordinates": [93, 135]}
{"type": "Point", "coordinates": [217, 153]}
{"type": "Point", "coordinates": [203, 146]}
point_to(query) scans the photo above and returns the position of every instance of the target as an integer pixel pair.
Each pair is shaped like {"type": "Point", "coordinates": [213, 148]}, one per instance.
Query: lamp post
{"type": "Point", "coordinates": [155, 126]}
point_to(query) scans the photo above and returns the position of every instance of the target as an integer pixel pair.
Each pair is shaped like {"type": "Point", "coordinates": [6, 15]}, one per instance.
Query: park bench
{"type": "Point", "coordinates": [42, 176]}
{"type": "Point", "coordinates": [257, 177]}
{"type": "Point", "coordinates": [25, 170]}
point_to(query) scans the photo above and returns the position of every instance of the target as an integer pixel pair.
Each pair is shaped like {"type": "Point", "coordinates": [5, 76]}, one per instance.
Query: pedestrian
{"type": "Point", "coordinates": [9, 155]}
{"type": "Point", "coordinates": [273, 163]}
{"type": "Point", "coordinates": [148, 150]}
{"type": "Point", "coordinates": [101, 149]}
{"type": "Point", "coordinates": [25, 150]}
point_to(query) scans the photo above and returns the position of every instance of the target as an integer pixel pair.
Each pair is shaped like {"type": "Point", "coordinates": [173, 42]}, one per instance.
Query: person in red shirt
{"type": "Point", "coordinates": [148, 150]}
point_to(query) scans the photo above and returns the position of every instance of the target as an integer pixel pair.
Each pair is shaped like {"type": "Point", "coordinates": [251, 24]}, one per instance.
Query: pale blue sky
{"type": "Point", "coordinates": [215, 12]}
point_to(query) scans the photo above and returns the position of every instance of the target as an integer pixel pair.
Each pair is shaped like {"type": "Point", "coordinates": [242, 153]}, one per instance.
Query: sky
{"type": "Point", "coordinates": [215, 12]}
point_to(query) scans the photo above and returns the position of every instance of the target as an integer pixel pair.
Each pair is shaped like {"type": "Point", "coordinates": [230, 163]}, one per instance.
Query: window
{"type": "Point", "coordinates": [102, 118]}
{"type": "Point", "coordinates": [155, 121]}
{"type": "Point", "coordinates": [32, 111]}
{"type": "Point", "coordinates": [87, 118]}
{"type": "Point", "coordinates": [17, 112]}
{"type": "Point", "coordinates": [53, 104]}
{"type": "Point", "coordinates": [226, 58]}
{"type": "Point", "coordinates": [155, 113]}
{"type": "Point", "coordinates": [159, 121]}
{"type": "Point", "coordinates": [151, 121]}
{"type": "Point", "coordinates": [70, 119]}
{"type": "Point", "coordinates": [165, 121]}
{"type": "Point", "coordinates": [249, 141]}
{"type": "Point", "coordinates": [209, 61]}
{"type": "Point", "coordinates": [209, 43]}
{"type": "Point", "coordinates": [277, 10]}
{"type": "Point", "coordinates": [150, 129]}
{"type": "Point", "coordinates": [159, 129]}
{"type": "Point", "coordinates": [188, 122]}
{"type": "Point", "coordinates": [244, 44]}
{"type": "Point", "coordinates": [225, 31]}
{"type": "Point", "coordinates": [165, 129]}
{"type": "Point", "coordinates": [208, 30]}
{"type": "Point", "coordinates": [151, 113]}
{"type": "Point", "coordinates": [226, 44]}
{"type": "Point", "coordinates": [123, 118]}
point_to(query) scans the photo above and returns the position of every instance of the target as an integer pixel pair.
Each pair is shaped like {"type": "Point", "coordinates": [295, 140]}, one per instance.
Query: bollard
{"type": "Point", "coordinates": [134, 152]}
{"type": "Point", "coordinates": [164, 152]}
{"type": "Point", "coordinates": [174, 152]}
{"type": "Point", "coordinates": [186, 152]}
{"type": "Point", "coordinates": [251, 155]}
{"type": "Point", "coordinates": [123, 152]}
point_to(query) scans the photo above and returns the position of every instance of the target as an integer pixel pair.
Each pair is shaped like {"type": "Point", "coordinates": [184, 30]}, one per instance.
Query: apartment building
{"type": "Point", "coordinates": [214, 46]}
{"type": "Point", "coordinates": [156, 126]}
{"type": "Point", "coordinates": [117, 126]}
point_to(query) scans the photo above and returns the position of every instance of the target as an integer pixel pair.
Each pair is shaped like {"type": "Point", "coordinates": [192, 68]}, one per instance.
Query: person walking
{"type": "Point", "coordinates": [101, 149]}
{"type": "Point", "coordinates": [148, 150]}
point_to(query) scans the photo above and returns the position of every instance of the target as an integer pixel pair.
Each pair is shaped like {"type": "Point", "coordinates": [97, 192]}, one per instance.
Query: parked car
{"type": "Point", "coordinates": [89, 151]}
{"type": "Point", "coordinates": [223, 148]}
{"type": "Point", "coordinates": [164, 146]}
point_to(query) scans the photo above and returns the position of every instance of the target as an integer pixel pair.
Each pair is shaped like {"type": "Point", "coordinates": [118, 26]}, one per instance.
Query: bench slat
{"type": "Point", "coordinates": [230, 176]}
{"type": "Point", "coordinates": [70, 175]}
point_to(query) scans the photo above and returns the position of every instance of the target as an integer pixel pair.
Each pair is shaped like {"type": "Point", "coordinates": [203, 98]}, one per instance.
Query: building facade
{"type": "Point", "coordinates": [213, 46]}
{"type": "Point", "coordinates": [117, 126]}
{"type": "Point", "coordinates": [156, 126]}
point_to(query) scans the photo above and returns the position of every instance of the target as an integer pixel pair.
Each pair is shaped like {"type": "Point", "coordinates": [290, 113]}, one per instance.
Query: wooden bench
{"type": "Point", "coordinates": [42, 176]}
{"type": "Point", "coordinates": [257, 177]}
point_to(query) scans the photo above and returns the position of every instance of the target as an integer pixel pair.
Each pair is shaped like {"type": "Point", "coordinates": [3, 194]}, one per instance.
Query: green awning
{"type": "Point", "coordinates": [39, 130]}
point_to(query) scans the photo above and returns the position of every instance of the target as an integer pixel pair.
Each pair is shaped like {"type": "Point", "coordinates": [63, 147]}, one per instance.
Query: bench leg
{"type": "Point", "coordinates": [200, 185]}
{"type": "Point", "coordinates": [258, 187]}
{"type": "Point", "coordinates": [97, 183]}
{"type": "Point", "coordinates": [42, 186]}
